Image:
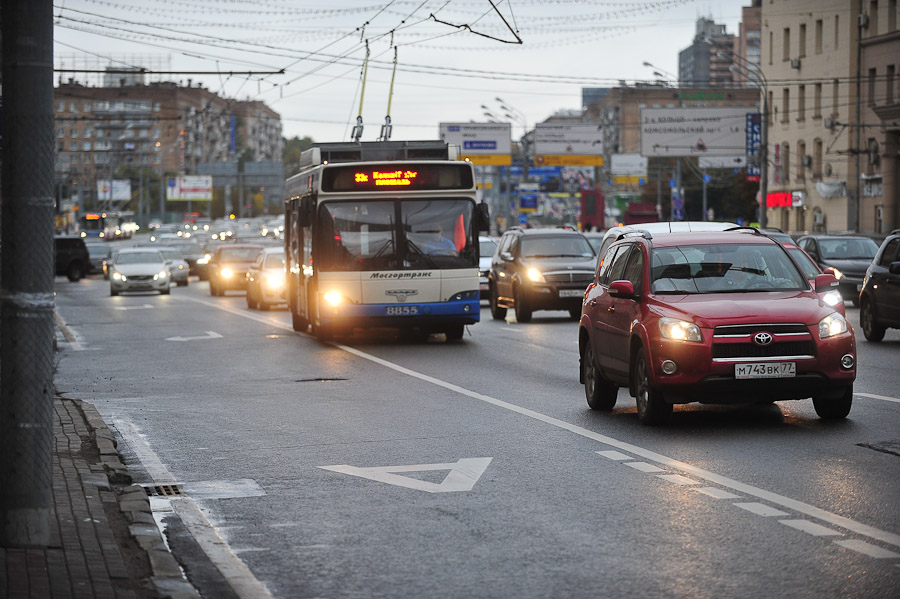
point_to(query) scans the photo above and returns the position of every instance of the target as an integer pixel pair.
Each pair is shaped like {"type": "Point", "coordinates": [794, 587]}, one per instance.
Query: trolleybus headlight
{"type": "Point", "coordinates": [333, 298]}
{"type": "Point", "coordinates": [226, 273]}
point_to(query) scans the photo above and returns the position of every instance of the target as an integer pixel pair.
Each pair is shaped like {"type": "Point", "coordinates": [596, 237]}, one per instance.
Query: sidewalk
{"type": "Point", "coordinates": [105, 542]}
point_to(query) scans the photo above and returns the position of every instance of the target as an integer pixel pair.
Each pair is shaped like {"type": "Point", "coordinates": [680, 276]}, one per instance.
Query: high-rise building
{"type": "Point", "coordinates": [747, 45]}
{"type": "Point", "coordinates": [706, 62]}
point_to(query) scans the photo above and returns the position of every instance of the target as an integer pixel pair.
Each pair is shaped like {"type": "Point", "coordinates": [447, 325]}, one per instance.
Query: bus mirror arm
{"type": "Point", "coordinates": [484, 217]}
{"type": "Point", "coordinates": [304, 216]}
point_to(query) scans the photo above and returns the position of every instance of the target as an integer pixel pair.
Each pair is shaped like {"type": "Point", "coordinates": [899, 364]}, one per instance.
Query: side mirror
{"type": "Point", "coordinates": [624, 289]}
{"type": "Point", "coordinates": [506, 256]}
{"type": "Point", "coordinates": [894, 268]}
{"type": "Point", "coordinates": [825, 282]}
{"type": "Point", "coordinates": [483, 217]}
{"type": "Point", "coordinates": [830, 271]}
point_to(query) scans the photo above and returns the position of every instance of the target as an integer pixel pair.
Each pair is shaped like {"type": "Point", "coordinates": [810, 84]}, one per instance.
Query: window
{"type": "Point", "coordinates": [73, 132]}
{"type": "Point", "coordinates": [771, 106]}
{"type": "Point", "coordinates": [837, 31]}
{"type": "Point", "coordinates": [88, 133]}
{"type": "Point", "coordinates": [872, 74]}
{"type": "Point", "coordinates": [818, 36]}
{"type": "Point", "coordinates": [786, 161]}
{"type": "Point", "coordinates": [771, 46]}
{"type": "Point", "coordinates": [617, 268]}
{"type": "Point", "coordinates": [73, 146]}
{"type": "Point", "coordinates": [87, 146]}
{"type": "Point", "coordinates": [73, 107]}
{"type": "Point", "coordinates": [60, 106]}
{"type": "Point", "coordinates": [785, 104]}
{"type": "Point", "coordinates": [786, 44]}
{"type": "Point", "coordinates": [892, 16]}
{"type": "Point", "coordinates": [817, 101]}
{"type": "Point", "coordinates": [817, 159]}
{"type": "Point", "coordinates": [873, 18]}
{"type": "Point", "coordinates": [634, 270]}
{"type": "Point", "coordinates": [60, 133]}
{"type": "Point", "coordinates": [802, 40]}
{"type": "Point", "coordinates": [890, 250]}
{"type": "Point", "coordinates": [835, 88]}
{"type": "Point", "coordinates": [87, 106]}
{"type": "Point", "coordinates": [889, 81]}
{"type": "Point", "coordinates": [801, 157]}
{"type": "Point", "coordinates": [801, 103]}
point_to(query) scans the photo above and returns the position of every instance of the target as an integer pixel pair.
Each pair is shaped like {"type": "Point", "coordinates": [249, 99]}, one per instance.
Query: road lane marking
{"type": "Point", "coordinates": [723, 481]}
{"type": "Point", "coordinates": [873, 396]}
{"type": "Point", "coordinates": [233, 569]}
{"type": "Point", "coordinates": [817, 530]}
{"type": "Point", "coordinates": [208, 335]}
{"type": "Point", "coordinates": [867, 549]}
{"type": "Point", "coordinates": [644, 467]}
{"type": "Point", "coordinates": [761, 509]}
{"type": "Point", "coordinates": [677, 479]}
{"type": "Point", "coordinates": [462, 475]}
{"type": "Point", "coordinates": [717, 493]}
{"type": "Point", "coordinates": [139, 307]}
{"type": "Point", "coordinates": [614, 455]}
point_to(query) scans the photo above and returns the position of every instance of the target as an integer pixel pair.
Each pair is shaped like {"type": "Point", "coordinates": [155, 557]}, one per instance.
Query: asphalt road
{"type": "Point", "coordinates": [384, 467]}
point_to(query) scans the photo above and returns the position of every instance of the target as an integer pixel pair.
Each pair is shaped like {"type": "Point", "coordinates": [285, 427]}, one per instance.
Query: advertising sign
{"type": "Point", "coordinates": [754, 142]}
{"type": "Point", "coordinates": [483, 144]}
{"type": "Point", "coordinates": [629, 165]}
{"type": "Point", "coordinates": [120, 191]}
{"type": "Point", "coordinates": [196, 188]}
{"type": "Point", "coordinates": [693, 131]}
{"type": "Point", "coordinates": [571, 144]}
{"type": "Point", "coordinates": [528, 197]}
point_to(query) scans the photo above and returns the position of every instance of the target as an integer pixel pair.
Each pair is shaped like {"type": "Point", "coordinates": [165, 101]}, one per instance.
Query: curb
{"type": "Point", "coordinates": [167, 578]}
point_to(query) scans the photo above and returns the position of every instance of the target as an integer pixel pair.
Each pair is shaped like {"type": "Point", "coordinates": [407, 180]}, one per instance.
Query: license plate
{"type": "Point", "coordinates": [765, 370]}
{"type": "Point", "coordinates": [571, 293]}
{"type": "Point", "coordinates": [401, 310]}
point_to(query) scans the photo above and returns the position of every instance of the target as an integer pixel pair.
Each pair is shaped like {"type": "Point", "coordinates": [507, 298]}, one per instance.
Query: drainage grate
{"type": "Point", "coordinates": [320, 380]}
{"type": "Point", "coordinates": [164, 490]}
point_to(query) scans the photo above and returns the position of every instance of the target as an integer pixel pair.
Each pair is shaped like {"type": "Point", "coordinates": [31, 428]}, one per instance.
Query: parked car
{"type": "Point", "coordinates": [718, 317]}
{"type": "Point", "coordinates": [540, 269]}
{"type": "Point", "coordinates": [486, 248]}
{"type": "Point", "coordinates": [266, 279]}
{"type": "Point", "coordinates": [178, 266]}
{"type": "Point", "coordinates": [228, 267]}
{"type": "Point", "coordinates": [139, 269]}
{"type": "Point", "coordinates": [879, 300]}
{"type": "Point", "coordinates": [72, 257]}
{"type": "Point", "coordinates": [849, 256]}
{"type": "Point", "coordinates": [612, 233]}
{"type": "Point", "coordinates": [98, 253]}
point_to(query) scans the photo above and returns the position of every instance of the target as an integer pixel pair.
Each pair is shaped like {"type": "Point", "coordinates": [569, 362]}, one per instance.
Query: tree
{"type": "Point", "coordinates": [291, 154]}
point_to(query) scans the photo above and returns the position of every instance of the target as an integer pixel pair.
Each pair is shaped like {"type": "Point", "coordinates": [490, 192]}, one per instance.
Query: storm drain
{"type": "Point", "coordinates": [164, 490]}
{"type": "Point", "coordinates": [320, 380]}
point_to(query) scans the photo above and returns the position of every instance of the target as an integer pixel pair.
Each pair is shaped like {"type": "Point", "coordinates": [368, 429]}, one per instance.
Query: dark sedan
{"type": "Point", "coordinates": [848, 255]}
{"type": "Point", "coordinates": [229, 265]}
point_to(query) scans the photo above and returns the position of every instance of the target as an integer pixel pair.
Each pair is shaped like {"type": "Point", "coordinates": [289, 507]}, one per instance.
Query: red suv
{"type": "Point", "coordinates": [724, 317]}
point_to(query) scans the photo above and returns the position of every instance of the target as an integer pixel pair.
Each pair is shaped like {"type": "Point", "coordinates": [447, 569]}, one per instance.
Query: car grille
{"type": "Point", "coordinates": [581, 278]}
{"type": "Point", "coordinates": [140, 277]}
{"type": "Point", "coordinates": [748, 350]}
{"type": "Point", "coordinates": [750, 329]}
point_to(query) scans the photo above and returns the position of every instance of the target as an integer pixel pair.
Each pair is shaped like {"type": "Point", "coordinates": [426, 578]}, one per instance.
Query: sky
{"type": "Point", "coordinates": [456, 59]}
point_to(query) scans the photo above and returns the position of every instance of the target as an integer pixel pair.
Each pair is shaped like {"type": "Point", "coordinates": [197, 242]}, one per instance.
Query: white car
{"type": "Point", "coordinates": [178, 266]}
{"type": "Point", "coordinates": [486, 248]}
{"type": "Point", "coordinates": [266, 279]}
{"type": "Point", "coordinates": [139, 269]}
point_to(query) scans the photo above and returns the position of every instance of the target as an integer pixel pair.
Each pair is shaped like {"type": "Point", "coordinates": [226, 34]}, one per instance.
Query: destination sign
{"type": "Point", "coordinates": [393, 176]}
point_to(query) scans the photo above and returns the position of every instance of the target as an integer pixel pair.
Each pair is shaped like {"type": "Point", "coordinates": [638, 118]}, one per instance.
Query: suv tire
{"type": "Point", "coordinates": [871, 329]}
{"type": "Point", "coordinates": [834, 409]}
{"type": "Point", "coordinates": [523, 312]}
{"type": "Point", "coordinates": [600, 394]}
{"type": "Point", "coordinates": [497, 313]}
{"type": "Point", "coordinates": [652, 409]}
{"type": "Point", "coordinates": [75, 271]}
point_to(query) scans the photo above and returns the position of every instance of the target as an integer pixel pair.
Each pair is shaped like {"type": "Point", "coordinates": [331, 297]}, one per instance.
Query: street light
{"type": "Point", "coordinates": [661, 72]}
{"type": "Point", "coordinates": [753, 71]}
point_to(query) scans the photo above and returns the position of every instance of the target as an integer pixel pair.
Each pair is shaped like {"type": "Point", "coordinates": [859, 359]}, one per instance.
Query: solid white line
{"type": "Point", "coordinates": [792, 504]}
{"type": "Point", "coordinates": [235, 571]}
{"type": "Point", "coordinates": [873, 396]}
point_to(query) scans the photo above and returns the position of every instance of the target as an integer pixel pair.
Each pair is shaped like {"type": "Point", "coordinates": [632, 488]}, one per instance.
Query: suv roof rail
{"type": "Point", "coordinates": [894, 232]}
{"type": "Point", "coordinates": [751, 229]}
{"type": "Point", "coordinates": [515, 228]}
{"type": "Point", "coordinates": [567, 226]}
{"type": "Point", "coordinates": [634, 233]}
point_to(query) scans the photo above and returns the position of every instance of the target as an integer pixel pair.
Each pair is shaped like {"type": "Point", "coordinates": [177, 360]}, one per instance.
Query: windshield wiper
{"type": "Point", "coordinates": [418, 251]}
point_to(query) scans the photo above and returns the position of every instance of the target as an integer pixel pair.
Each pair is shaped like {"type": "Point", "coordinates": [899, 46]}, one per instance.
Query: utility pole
{"type": "Point", "coordinates": [26, 271]}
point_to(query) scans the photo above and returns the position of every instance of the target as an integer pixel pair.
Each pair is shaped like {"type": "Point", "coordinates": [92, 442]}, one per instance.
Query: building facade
{"type": "Point", "coordinates": [747, 43]}
{"type": "Point", "coordinates": [707, 61]}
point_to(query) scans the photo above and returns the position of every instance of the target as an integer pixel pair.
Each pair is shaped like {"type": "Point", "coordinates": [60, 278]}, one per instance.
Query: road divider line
{"type": "Point", "coordinates": [873, 396]}
{"type": "Point", "coordinates": [723, 481]}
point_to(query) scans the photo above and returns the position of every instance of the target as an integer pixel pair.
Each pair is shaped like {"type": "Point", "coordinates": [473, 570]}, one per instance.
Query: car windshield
{"type": "Point", "coordinates": [486, 247]}
{"type": "Point", "coordinates": [723, 268]}
{"type": "Point", "coordinates": [574, 246]}
{"type": "Point", "coordinates": [139, 258]}
{"type": "Point", "coordinates": [171, 254]}
{"type": "Point", "coordinates": [806, 264]}
{"type": "Point", "coordinates": [275, 261]}
{"type": "Point", "coordinates": [97, 250]}
{"type": "Point", "coordinates": [596, 241]}
{"type": "Point", "coordinates": [238, 254]}
{"type": "Point", "coordinates": [848, 249]}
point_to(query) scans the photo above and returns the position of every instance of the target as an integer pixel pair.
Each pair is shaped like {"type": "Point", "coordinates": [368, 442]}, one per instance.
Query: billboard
{"type": "Point", "coordinates": [120, 191]}
{"type": "Point", "coordinates": [196, 188]}
{"type": "Point", "coordinates": [693, 131]}
{"type": "Point", "coordinates": [569, 144]}
{"type": "Point", "coordinates": [483, 144]}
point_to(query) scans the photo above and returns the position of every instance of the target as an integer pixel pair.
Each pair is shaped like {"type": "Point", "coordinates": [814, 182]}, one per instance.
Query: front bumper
{"type": "Point", "coordinates": [134, 284]}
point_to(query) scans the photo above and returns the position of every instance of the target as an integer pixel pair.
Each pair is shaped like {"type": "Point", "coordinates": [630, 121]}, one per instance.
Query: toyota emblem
{"type": "Point", "coordinates": [762, 338]}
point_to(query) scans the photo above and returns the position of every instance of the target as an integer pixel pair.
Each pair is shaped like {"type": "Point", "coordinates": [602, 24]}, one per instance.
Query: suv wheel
{"type": "Point", "coordinates": [75, 271]}
{"type": "Point", "coordinates": [834, 409]}
{"type": "Point", "coordinates": [523, 312]}
{"type": "Point", "coordinates": [652, 409]}
{"type": "Point", "coordinates": [600, 394]}
{"type": "Point", "coordinates": [497, 313]}
{"type": "Point", "coordinates": [871, 329]}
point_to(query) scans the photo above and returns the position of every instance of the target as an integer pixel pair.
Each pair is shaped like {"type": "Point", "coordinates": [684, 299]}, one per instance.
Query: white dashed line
{"type": "Point", "coordinates": [614, 455]}
{"type": "Point", "coordinates": [761, 509]}
{"type": "Point", "coordinates": [677, 479]}
{"type": "Point", "coordinates": [644, 467]}
{"type": "Point", "coordinates": [867, 549]}
{"type": "Point", "coordinates": [873, 396]}
{"type": "Point", "coordinates": [817, 530]}
{"type": "Point", "coordinates": [717, 493]}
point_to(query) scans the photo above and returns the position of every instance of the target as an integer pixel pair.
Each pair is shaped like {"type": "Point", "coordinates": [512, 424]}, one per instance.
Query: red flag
{"type": "Point", "coordinates": [459, 234]}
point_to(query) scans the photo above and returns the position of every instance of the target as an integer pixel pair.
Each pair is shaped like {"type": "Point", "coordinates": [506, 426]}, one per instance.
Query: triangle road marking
{"type": "Point", "coordinates": [462, 476]}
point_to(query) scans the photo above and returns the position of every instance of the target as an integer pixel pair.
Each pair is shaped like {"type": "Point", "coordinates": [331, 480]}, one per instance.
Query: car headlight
{"type": "Point", "coordinates": [679, 330]}
{"type": "Point", "coordinates": [205, 259]}
{"type": "Point", "coordinates": [831, 325]}
{"type": "Point", "coordinates": [333, 298]}
{"type": "Point", "coordinates": [274, 280]}
{"type": "Point", "coordinates": [118, 276]}
{"type": "Point", "coordinates": [833, 298]}
{"type": "Point", "coordinates": [226, 273]}
{"type": "Point", "coordinates": [535, 276]}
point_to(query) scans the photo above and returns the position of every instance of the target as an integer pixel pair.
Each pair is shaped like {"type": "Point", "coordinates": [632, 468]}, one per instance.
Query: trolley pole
{"type": "Point", "coordinates": [27, 265]}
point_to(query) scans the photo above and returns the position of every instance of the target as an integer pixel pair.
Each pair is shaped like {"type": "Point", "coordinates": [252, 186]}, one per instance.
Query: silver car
{"type": "Point", "coordinates": [139, 269]}
{"type": "Point", "coordinates": [178, 266]}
